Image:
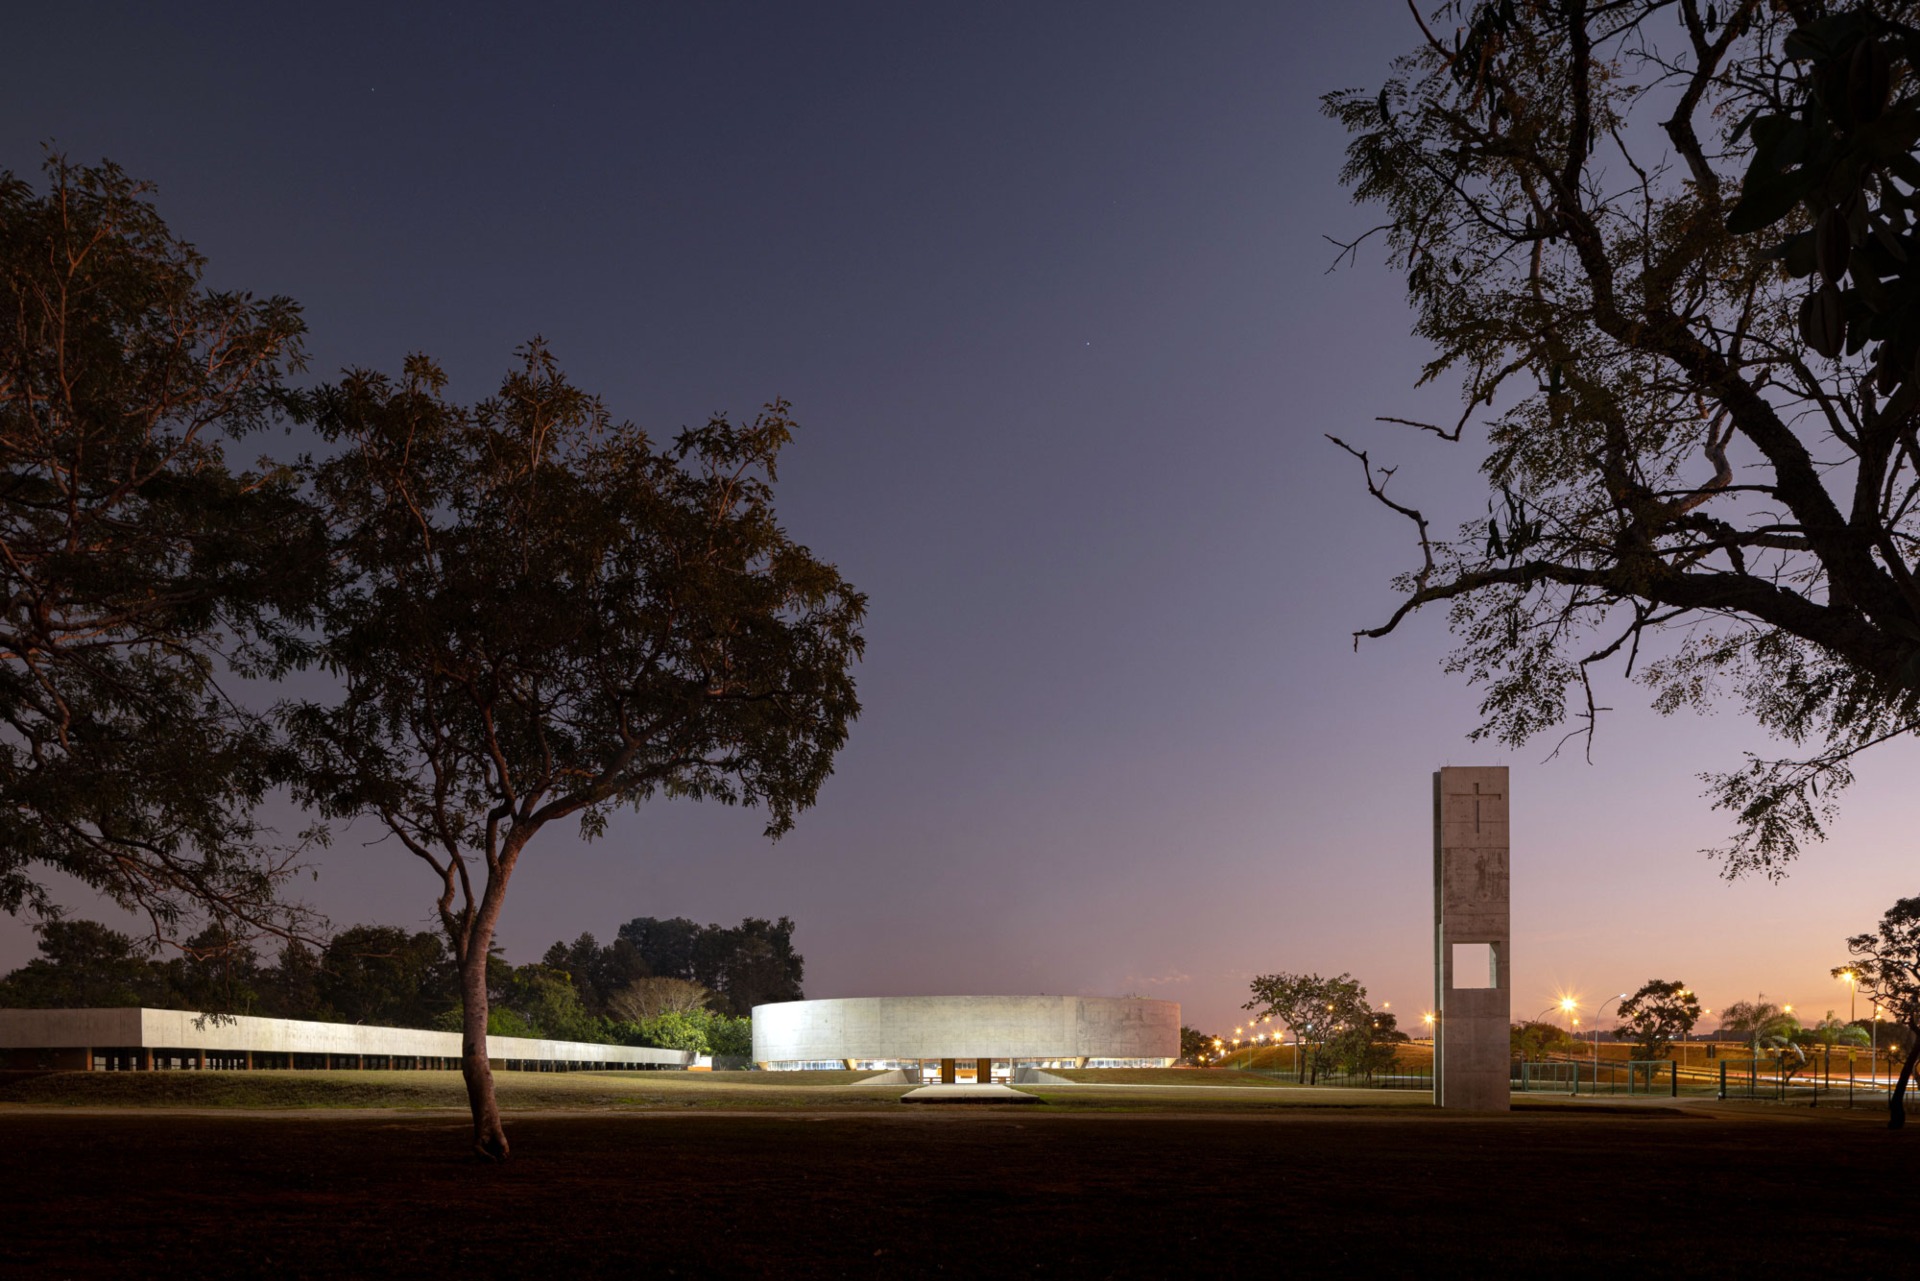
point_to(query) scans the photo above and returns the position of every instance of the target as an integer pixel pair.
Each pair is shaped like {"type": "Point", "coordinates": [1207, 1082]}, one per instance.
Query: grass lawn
{"type": "Point", "coordinates": [1165, 1076]}
{"type": "Point", "coordinates": [517, 1091]}
{"type": "Point", "coordinates": [906, 1192]}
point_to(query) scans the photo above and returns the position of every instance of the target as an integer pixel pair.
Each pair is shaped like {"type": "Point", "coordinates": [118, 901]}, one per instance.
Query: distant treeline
{"type": "Point", "coordinates": [750, 964]}
{"type": "Point", "coordinates": [672, 984]}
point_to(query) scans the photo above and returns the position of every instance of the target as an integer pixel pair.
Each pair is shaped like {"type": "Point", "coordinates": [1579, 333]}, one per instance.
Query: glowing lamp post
{"type": "Point", "coordinates": [1596, 1036]}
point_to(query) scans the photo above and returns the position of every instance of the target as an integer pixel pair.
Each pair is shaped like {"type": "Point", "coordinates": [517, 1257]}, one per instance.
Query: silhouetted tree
{"type": "Point", "coordinates": [83, 964]}
{"type": "Point", "coordinates": [1759, 1022]}
{"type": "Point", "coordinates": [215, 971]}
{"type": "Point", "coordinates": [1321, 1014]}
{"type": "Point", "coordinates": [1195, 1046]}
{"type": "Point", "coordinates": [666, 947]}
{"type": "Point", "coordinates": [1659, 1013]}
{"type": "Point", "coordinates": [541, 617]}
{"type": "Point", "coordinates": [598, 973]}
{"type": "Point", "coordinates": [1371, 1045]}
{"type": "Point", "coordinates": [1888, 963]}
{"type": "Point", "coordinates": [1536, 1041]}
{"type": "Point", "coordinates": [543, 1003]}
{"type": "Point", "coordinates": [290, 988]}
{"type": "Point", "coordinates": [759, 965]}
{"type": "Point", "coordinates": [751, 964]}
{"type": "Point", "coordinates": [1691, 348]}
{"type": "Point", "coordinates": [135, 564]}
{"type": "Point", "coordinates": [387, 976]}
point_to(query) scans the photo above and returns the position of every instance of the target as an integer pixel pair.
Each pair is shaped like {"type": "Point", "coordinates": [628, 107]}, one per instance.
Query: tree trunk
{"type": "Point", "coordinates": [489, 1137]}
{"type": "Point", "coordinates": [1896, 1102]}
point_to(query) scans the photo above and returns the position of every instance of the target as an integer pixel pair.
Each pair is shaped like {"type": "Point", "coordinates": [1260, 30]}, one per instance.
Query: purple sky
{"type": "Point", "coordinates": [1047, 287]}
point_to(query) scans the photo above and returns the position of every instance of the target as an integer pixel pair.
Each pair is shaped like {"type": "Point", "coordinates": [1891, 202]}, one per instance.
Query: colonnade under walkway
{"type": "Point", "coordinates": [137, 1039]}
{"type": "Point", "coordinates": [156, 1059]}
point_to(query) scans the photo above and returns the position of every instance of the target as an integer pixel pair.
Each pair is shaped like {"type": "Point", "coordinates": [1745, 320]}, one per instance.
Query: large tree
{"type": "Point", "coordinates": [137, 568]}
{"type": "Point", "coordinates": [542, 616]}
{"type": "Point", "coordinates": [385, 975]}
{"type": "Point", "coordinates": [753, 963]}
{"type": "Point", "coordinates": [84, 964]}
{"type": "Point", "coordinates": [1324, 1015]}
{"type": "Point", "coordinates": [1660, 1012]}
{"type": "Point", "coordinates": [1668, 251]}
{"type": "Point", "coordinates": [1887, 962]}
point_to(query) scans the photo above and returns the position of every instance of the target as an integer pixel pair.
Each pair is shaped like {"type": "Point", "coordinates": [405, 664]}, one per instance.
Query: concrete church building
{"type": "Point", "coordinates": [966, 1038]}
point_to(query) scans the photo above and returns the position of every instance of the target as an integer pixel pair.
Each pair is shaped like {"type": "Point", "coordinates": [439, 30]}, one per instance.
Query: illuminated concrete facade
{"type": "Point", "coordinates": [956, 1034]}
{"type": "Point", "coordinates": [140, 1038]}
{"type": "Point", "coordinates": [1472, 939]}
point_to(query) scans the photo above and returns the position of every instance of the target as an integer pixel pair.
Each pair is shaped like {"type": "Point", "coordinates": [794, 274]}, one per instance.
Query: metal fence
{"type": "Point", "coordinates": [1574, 1076]}
{"type": "Point", "coordinates": [1785, 1081]}
{"type": "Point", "coordinates": [1809, 1083]}
{"type": "Point", "coordinates": [1398, 1077]}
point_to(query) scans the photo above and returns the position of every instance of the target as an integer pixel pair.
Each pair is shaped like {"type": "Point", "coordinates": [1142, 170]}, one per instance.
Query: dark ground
{"type": "Point", "coordinates": [980, 1193]}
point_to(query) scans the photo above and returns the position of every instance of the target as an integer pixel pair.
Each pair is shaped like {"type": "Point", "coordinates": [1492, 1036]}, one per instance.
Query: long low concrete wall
{"type": "Point", "coordinates": [941, 1027]}
{"type": "Point", "coordinates": [184, 1030]}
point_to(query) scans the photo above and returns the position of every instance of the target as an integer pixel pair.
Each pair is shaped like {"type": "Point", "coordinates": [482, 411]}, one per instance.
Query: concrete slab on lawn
{"type": "Point", "coordinates": [967, 1094]}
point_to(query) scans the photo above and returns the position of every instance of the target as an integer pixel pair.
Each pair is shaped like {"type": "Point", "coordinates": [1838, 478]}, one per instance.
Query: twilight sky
{"type": "Point", "coordinates": [1047, 288]}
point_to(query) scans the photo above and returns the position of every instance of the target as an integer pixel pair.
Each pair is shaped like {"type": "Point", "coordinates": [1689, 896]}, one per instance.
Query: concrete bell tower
{"type": "Point", "coordinates": [1472, 939]}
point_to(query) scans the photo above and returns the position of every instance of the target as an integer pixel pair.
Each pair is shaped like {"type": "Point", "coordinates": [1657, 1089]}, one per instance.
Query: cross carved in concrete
{"type": "Point", "coordinates": [1477, 796]}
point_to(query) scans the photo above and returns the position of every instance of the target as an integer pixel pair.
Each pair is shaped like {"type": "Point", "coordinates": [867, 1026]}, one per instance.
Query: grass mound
{"type": "Point", "coordinates": [1164, 1076]}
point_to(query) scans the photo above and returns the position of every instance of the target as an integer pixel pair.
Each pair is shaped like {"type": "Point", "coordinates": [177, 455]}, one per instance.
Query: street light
{"type": "Point", "coordinates": [1873, 1064]}
{"type": "Point", "coordinates": [1596, 1035]}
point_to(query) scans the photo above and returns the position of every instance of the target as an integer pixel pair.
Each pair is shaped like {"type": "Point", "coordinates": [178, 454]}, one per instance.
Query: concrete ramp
{"type": "Point", "coordinates": [967, 1094]}
{"type": "Point", "coordinates": [1034, 1076]}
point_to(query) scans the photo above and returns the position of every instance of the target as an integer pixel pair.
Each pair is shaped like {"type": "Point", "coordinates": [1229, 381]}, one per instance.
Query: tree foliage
{"type": "Point", "coordinates": [1196, 1047]}
{"type": "Point", "coordinates": [1329, 1018]}
{"type": "Point", "coordinates": [1669, 252]}
{"type": "Point", "coordinates": [1887, 963]}
{"type": "Point", "coordinates": [83, 964]}
{"type": "Point", "coordinates": [1660, 1012]}
{"type": "Point", "coordinates": [1536, 1041]}
{"type": "Point", "coordinates": [1833, 1031]}
{"type": "Point", "coordinates": [384, 975]}
{"type": "Point", "coordinates": [648, 998]}
{"type": "Point", "coordinates": [701, 1031]}
{"type": "Point", "coordinates": [1759, 1022]}
{"type": "Point", "coordinates": [138, 569]}
{"type": "Point", "coordinates": [540, 617]}
{"type": "Point", "coordinates": [737, 967]}
{"type": "Point", "coordinates": [372, 974]}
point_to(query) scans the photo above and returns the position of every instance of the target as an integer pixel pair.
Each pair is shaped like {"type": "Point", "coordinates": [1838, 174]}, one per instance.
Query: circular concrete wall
{"type": "Point", "coordinates": [870, 1028]}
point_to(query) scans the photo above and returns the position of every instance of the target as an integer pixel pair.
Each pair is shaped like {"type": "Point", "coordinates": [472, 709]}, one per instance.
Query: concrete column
{"type": "Point", "coordinates": [983, 1071]}
{"type": "Point", "coordinates": [1473, 939]}
{"type": "Point", "coordinates": [949, 1071]}
{"type": "Point", "coordinates": [89, 1053]}
{"type": "Point", "coordinates": [146, 1059]}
